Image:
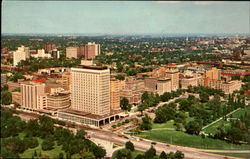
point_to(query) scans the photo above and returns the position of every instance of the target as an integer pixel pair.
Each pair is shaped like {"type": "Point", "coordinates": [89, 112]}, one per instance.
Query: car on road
{"type": "Point", "coordinates": [153, 143]}
{"type": "Point", "coordinates": [126, 137]}
{"type": "Point", "coordinates": [167, 145]}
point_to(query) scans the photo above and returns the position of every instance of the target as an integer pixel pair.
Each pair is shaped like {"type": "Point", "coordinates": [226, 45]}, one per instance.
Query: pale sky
{"type": "Point", "coordinates": [125, 17]}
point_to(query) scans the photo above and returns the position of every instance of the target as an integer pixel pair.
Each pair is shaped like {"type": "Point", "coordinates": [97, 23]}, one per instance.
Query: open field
{"type": "Point", "coordinates": [169, 124]}
{"type": "Point", "coordinates": [183, 139]}
{"type": "Point", "coordinates": [212, 128]}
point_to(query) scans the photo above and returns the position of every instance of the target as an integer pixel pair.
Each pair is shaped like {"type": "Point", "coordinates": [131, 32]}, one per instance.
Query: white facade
{"type": "Point", "coordinates": [41, 53]}
{"type": "Point", "coordinates": [90, 90]}
{"type": "Point", "coordinates": [32, 95]}
{"type": "Point", "coordinates": [22, 53]}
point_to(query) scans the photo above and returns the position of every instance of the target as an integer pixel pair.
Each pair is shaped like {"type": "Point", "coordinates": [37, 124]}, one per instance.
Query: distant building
{"type": "Point", "coordinates": [81, 51]}
{"type": "Point", "coordinates": [41, 53]}
{"type": "Point", "coordinates": [55, 54]}
{"type": "Point", "coordinates": [72, 52]}
{"type": "Point", "coordinates": [22, 53]}
{"type": "Point", "coordinates": [30, 95]}
{"type": "Point", "coordinates": [58, 100]}
{"type": "Point", "coordinates": [163, 85]}
{"type": "Point", "coordinates": [230, 87]}
{"type": "Point", "coordinates": [188, 81]}
{"type": "Point", "coordinates": [13, 85]}
{"type": "Point", "coordinates": [91, 50]}
{"type": "Point", "coordinates": [115, 94]}
{"type": "Point", "coordinates": [16, 97]}
{"type": "Point", "coordinates": [3, 79]}
{"type": "Point", "coordinates": [133, 90]}
{"type": "Point", "coordinates": [214, 74]}
{"type": "Point", "coordinates": [235, 73]}
{"type": "Point", "coordinates": [87, 62]}
{"type": "Point", "coordinates": [157, 85]}
{"type": "Point", "coordinates": [64, 81]}
{"type": "Point", "coordinates": [172, 72]}
{"type": "Point", "coordinates": [159, 72]}
{"type": "Point", "coordinates": [49, 47]}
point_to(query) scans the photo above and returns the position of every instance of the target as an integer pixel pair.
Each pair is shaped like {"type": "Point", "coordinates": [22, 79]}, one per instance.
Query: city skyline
{"type": "Point", "coordinates": [124, 18]}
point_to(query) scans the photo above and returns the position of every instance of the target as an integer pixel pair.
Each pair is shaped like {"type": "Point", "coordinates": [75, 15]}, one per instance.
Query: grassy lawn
{"type": "Point", "coordinates": [239, 155]}
{"type": "Point", "coordinates": [169, 124]}
{"type": "Point", "coordinates": [47, 154]}
{"type": "Point", "coordinates": [134, 153]}
{"type": "Point", "coordinates": [240, 112]}
{"type": "Point", "coordinates": [183, 139]}
{"type": "Point", "coordinates": [212, 128]}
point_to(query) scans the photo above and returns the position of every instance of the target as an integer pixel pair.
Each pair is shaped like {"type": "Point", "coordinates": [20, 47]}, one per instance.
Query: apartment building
{"type": "Point", "coordinates": [30, 95]}
{"type": "Point", "coordinates": [72, 52]}
{"type": "Point", "coordinates": [115, 94]}
{"type": "Point", "coordinates": [22, 53]}
{"type": "Point", "coordinates": [172, 72]}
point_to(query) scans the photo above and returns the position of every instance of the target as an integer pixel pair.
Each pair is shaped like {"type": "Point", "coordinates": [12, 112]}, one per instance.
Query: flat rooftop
{"type": "Point", "coordinates": [92, 67]}
{"type": "Point", "coordinates": [89, 115]}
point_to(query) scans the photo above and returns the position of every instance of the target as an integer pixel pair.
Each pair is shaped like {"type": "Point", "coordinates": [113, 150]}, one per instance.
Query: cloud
{"type": "Point", "coordinates": [205, 2]}
{"type": "Point", "coordinates": [169, 2]}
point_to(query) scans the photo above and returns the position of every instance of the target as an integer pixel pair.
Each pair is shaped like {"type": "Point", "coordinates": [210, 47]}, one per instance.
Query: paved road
{"type": "Point", "coordinates": [190, 153]}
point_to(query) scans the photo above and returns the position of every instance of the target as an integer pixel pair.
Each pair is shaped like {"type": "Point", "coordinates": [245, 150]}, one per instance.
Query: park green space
{"type": "Point", "coordinates": [212, 128]}
{"type": "Point", "coordinates": [169, 124]}
{"type": "Point", "coordinates": [238, 155]}
{"type": "Point", "coordinates": [184, 139]}
{"type": "Point", "coordinates": [134, 153]}
{"type": "Point", "coordinates": [45, 154]}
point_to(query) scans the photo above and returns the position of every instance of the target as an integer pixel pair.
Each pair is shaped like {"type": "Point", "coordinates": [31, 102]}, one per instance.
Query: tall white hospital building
{"type": "Point", "coordinates": [90, 89]}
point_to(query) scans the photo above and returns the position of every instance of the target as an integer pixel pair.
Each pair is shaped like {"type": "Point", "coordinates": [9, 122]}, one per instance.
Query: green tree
{"type": "Point", "coordinates": [88, 155]}
{"type": "Point", "coordinates": [142, 107]}
{"type": "Point", "coordinates": [235, 77]}
{"type": "Point", "coordinates": [129, 145]}
{"type": "Point", "coordinates": [60, 156]}
{"type": "Point", "coordinates": [179, 155]}
{"type": "Point", "coordinates": [163, 155]}
{"type": "Point", "coordinates": [80, 134]}
{"type": "Point", "coordinates": [15, 76]}
{"type": "Point", "coordinates": [6, 97]}
{"type": "Point", "coordinates": [140, 156]}
{"type": "Point", "coordinates": [146, 123]}
{"type": "Point", "coordinates": [204, 97]}
{"type": "Point", "coordinates": [35, 154]}
{"type": "Point", "coordinates": [150, 153]}
{"type": "Point", "coordinates": [124, 104]}
{"type": "Point", "coordinates": [120, 77]}
{"type": "Point", "coordinates": [193, 127]}
{"type": "Point", "coordinates": [47, 144]}
{"type": "Point", "coordinates": [145, 96]}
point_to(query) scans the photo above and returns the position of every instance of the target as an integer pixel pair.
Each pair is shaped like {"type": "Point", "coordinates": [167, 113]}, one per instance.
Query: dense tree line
{"type": "Point", "coordinates": [44, 128]}
{"type": "Point", "coordinates": [34, 64]}
{"type": "Point", "coordinates": [237, 132]}
{"type": "Point", "coordinates": [149, 154]}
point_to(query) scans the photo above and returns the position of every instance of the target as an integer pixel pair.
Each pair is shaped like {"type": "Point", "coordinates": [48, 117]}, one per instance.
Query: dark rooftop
{"type": "Point", "coordinates": [89, 115]}
{"type": "Point", "coordinates": [93, 67]}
